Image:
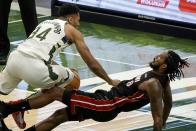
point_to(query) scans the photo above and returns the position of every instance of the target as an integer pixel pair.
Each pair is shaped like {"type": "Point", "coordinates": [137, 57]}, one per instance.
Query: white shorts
{"type": "Point", "coordinates": [34, 71]}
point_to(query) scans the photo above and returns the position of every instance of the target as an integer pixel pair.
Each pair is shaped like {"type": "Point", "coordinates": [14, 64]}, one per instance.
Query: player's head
{"type": "Point", "coordinates": [169, 63]}
{"type": "Point", "coordinates": [71, 13]}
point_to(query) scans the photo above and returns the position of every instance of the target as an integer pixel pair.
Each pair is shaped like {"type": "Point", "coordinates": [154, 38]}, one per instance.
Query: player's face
{"type": "Point", "coordinates": [159, 61]}
{"type": "Point", "coordinates": [74, 20]}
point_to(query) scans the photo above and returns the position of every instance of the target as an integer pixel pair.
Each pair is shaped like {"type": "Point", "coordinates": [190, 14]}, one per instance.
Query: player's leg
{"type": "Point", "coordinates": [35, 72]}
{"type": "Point", "coordinates": [33, 102]}
{"type": "Point", "coordinates": [51, 122]}
{"type": "Point", "coordinates": [36, 100]}
{"type": "Point", "coordinates": [7, 84]}
{"type": "Point", "coordinates": [45, 97]}
{"type": "Point", "coordinates": [29, 15]}
{"type": "Point", "coordinates": [60, 116]}
{"type": "Point", "coordinates": [48, 95]}
{"type": "Point", "coordinates": [81, 112]}
{"type": "Point", "coordinates": [8, 80]}
{"type": "Point", "coordinates": [4, 40]}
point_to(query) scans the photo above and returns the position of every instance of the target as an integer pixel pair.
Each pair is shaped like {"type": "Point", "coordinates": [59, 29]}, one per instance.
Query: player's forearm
{"type": "Point", "coordinates": [158, 125]}
{"type": "Point", "coordinates": [166, 112]}
{"type": "Point", "coordinates": [93, 64]}
{"type": "Point", "coordinates": [99, 71]}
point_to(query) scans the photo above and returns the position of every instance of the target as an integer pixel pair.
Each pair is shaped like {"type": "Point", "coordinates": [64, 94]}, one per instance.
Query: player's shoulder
{"type": "Point", "coordinates": [69, 29]}
{"type": "Point", "coordinates": [152, 82]}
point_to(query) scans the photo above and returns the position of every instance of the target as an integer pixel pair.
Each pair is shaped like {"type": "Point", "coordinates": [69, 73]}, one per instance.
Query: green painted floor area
{"type": "Point", "coordinates": [121, 35]}
{"type": "Point", "coordinates": [118, 50]}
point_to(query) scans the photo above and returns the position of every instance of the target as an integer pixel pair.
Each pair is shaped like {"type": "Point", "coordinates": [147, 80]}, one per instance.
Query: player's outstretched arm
{"type": "Point", "coordinates": [86, 55]}
{"type": "Point", "coordinates": [154, 91]}
{"type": "Point", "coordinates": [167, 100]}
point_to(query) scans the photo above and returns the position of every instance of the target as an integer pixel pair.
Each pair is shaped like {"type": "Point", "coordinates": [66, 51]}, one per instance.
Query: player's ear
{"type": "Point", "coordinates": [164, 66]}
{"type": "Point", "coordinates": [70, 19]}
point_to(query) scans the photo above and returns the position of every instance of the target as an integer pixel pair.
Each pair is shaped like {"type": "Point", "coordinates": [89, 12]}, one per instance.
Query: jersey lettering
{"type": "Point", "coordinates": [138, 78]}
{"type": "Point", "coordinates": [129, 83]}
{"type": "Point", "coordinates": [42, 35]}
{"type": "Point", "coordinates": [34, 32]}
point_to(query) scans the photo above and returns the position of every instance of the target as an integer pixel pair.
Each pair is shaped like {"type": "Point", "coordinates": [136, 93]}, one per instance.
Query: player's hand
{"type": "Point", "coordinates": [73, 69]}
{"type": "Point", "coordinates": [114, 82]}
{"type": "Point", "coordinates": [164, 125]}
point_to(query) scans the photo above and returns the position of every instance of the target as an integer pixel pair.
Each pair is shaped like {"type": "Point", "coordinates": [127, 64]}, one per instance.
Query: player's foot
{"type": "Point", "coordinates": [18, 116]}
{"type": "Point", "coordinates": [3, 110]}
{"type": "Point", "coordinates": [19, 119]}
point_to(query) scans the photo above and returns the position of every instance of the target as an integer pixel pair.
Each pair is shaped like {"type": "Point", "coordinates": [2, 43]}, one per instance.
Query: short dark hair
{"type": "Point", "coordinates": [68, 9]}
{"type": "Point", "coordinates": [175, 65]}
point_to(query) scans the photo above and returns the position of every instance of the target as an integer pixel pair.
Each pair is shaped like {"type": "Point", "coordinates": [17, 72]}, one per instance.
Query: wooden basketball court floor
{"type": "Point", "coordinates": [182, 117]}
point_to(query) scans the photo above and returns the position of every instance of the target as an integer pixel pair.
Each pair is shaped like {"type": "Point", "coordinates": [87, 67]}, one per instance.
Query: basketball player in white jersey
{"type": "Point", "coordinates": [32, 61]}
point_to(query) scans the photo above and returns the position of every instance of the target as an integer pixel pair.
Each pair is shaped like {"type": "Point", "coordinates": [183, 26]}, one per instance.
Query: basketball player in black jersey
{"type": "Point", "coordinates": [151, 87]}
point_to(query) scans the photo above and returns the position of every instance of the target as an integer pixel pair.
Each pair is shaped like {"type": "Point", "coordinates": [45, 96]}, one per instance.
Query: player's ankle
{"type": "Point", "coordinates": [20, 105]}
{"type": "Point", "coordinates": [31, 128]}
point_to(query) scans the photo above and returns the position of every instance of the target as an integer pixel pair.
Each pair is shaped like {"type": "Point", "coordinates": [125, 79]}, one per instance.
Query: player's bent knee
{"type": "Point", "coordinates": [55, 92]}
{"type": "Point", "coordinates": [59, 116]}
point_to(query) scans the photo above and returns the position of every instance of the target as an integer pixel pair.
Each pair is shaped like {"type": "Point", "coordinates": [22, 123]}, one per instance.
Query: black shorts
{"type": "Point", "coordinates": [83, 105]}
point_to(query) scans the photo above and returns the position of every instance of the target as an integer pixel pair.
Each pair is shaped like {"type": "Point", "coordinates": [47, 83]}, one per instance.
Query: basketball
{"type": "Point", "coordinates": [75, 83]}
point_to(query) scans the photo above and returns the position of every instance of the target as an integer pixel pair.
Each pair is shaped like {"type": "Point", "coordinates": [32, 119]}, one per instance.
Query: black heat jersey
{"type": "Point", "coordinates": [127, 95]}
{"type": "Point", "coordinates": [105, 105]}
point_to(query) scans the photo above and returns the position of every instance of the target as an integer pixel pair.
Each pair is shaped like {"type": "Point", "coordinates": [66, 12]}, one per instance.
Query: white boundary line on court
{"type": "Point", "coordinates": [76, 54]}
{"type": "Point", "coordinates": [15, 21]}
{"type": "Point", "coordinates": [40, 10]}
{"type": "Point", "coordinates": [15, 6]}
{"type": "Point", "coordinates": [119, 62]}
{"type": "Point", "coordinates": [113, 61]}
{"type": "Point", "coordinates": [192, 56]}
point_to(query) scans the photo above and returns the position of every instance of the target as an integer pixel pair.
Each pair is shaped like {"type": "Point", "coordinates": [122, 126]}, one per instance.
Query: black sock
{"type": "Point", "coordinates": [21, 106]}
{"type": "Point", "coordinates": [67, 96]}
{"type": "Point", "coordinates": [31, 128]}
{"type": "Point", "coordinates": [3, 126]}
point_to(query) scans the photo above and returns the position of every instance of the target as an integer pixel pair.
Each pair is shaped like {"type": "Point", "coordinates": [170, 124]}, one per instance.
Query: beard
{"type": "Point", "coordinates": [153, 66]}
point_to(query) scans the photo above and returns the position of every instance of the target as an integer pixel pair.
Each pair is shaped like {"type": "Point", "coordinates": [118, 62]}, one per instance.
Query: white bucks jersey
{"type": "Point", "coordinates": [48, 38]}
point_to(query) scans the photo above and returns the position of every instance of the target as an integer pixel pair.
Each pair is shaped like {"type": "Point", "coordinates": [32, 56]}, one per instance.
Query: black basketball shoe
{"type": "Point", "coordinates": [3, 110]}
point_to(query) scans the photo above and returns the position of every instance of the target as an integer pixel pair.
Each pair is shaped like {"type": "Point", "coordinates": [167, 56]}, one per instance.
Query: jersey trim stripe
{"type": "Point", "coordinates": [102, 104]}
